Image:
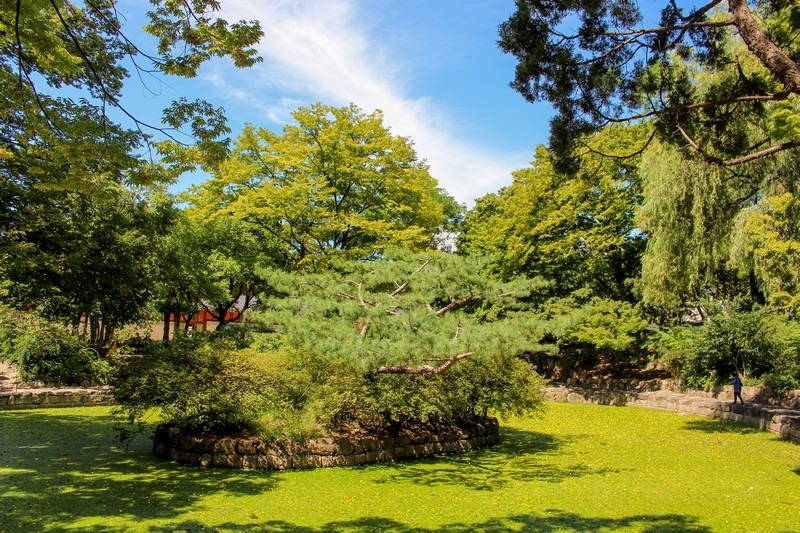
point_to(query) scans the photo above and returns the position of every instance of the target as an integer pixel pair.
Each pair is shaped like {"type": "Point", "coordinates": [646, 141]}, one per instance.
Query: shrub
{"type": "Point", "coordinates": [48, 351]}
{"type": "Point", "coordinates": [212, 386]}
{"type": "Point", "coordinates": [291, 390]}
{"type": "Point", "coordinates": [757, 342]}
{"type": "Point", "coordinates": [195, 384]}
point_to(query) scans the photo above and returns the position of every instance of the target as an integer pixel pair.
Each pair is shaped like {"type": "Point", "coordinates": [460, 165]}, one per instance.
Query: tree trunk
{"type": "Point", "coordinates": [165, 337]}
{"type": "Point", "coordinates": [770, 55]}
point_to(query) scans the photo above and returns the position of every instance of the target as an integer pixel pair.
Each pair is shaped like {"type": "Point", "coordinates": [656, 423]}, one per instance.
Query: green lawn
{"type": "Point", "coordinates": [578, 468]}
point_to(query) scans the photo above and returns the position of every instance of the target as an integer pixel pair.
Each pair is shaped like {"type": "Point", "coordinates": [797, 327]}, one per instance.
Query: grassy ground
{"type": "Point", "coordinates": [578, 468]}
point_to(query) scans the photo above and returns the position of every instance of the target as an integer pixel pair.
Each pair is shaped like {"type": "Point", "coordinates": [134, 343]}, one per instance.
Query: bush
{"type": "Point", "coordinates": [503, 385]}
{"type": "Point", "coordinates": [48, 351]}
{"type": "Point", "coordinates": [290, 390]}
{"type": "Point", "coordinates": [195, 384]}
{"type": "Point", "coordinates": [757, 342]}
{"type": "Point", "coordinates": [212, 386]}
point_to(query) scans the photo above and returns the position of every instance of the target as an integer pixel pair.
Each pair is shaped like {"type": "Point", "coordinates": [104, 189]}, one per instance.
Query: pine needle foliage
{"type": "Point", "coordinates": [402, 321]}
{"type": "Point", "coordinates": [404, 309]}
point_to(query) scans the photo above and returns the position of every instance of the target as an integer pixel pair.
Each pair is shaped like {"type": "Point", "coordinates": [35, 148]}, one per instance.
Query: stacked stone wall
{"type": "Point", "coordinates": [775, 418]}
{"type": "Point", "coordinates": [54, 397]}
{"type": "Point", "coordinates": [285, 454]}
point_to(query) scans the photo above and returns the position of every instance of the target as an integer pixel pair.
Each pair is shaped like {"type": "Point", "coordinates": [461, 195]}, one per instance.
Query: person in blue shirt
{"type": "Point", "coordinates": [737, 388]}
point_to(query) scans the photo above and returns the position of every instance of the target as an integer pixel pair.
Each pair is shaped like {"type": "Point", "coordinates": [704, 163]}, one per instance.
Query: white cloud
{"type": "Point", "coordinates": [318, 50]}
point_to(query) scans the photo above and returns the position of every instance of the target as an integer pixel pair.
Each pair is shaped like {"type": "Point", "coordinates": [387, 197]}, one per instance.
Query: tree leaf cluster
{"type": "Point", "coordinates": [335, 184]}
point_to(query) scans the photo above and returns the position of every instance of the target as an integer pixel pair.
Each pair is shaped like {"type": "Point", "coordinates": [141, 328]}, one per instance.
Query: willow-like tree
{"type": "Point", "coordinates": [336, 183]}
{"type": "Point", "coordinates": [699, 73]}
{"type": "Point", "coordinates": [713, 231]}
{"type": "Point", "coordinates": [766, 242]}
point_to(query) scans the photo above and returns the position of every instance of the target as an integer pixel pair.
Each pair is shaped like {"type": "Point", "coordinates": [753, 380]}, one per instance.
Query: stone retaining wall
{"type": "Point", "coordinates": [61, 397]}
{"type": "Point", "coordinates": [256, 453]}
{"type": "Point", "coordinates": [760, 394]}
{"type": "Point", "coordinates": [774, 418]}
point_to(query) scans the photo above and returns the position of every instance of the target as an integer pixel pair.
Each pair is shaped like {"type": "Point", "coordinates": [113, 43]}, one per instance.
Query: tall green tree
{"type": "Point", "coordinates": [576, 231]}
{"type": "Point", "coordinates": [336, 183]}
{"type": "Point", "coordinates": [82, 259]}
{"type": "Point", "coordinates": [700, 73]}
{"type": "Point", "coordinates": [78, 228]}
{"type": "Point", "coordinates": [709, 230]}
{"type": "Point", "coordinates": [218, 265]}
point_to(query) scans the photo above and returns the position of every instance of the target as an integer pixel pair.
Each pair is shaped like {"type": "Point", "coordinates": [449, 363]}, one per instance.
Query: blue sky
{"type": "Point", "coordinates": [432, 67]}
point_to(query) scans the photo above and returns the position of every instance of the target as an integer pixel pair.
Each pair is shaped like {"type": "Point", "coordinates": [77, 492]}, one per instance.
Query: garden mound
{"type": "Point", "coordinates": [346, 449]}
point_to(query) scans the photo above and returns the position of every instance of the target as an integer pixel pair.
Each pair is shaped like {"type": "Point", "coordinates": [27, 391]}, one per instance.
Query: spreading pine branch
{"type": "Point", "coordinates": [422, 369]}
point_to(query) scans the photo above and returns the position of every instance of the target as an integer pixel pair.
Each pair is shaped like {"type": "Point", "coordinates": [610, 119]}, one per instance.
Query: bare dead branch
{"type": "Point", "coordinates": [358, 286]}
{"type": "Point", "coordinates": [402, 287]}
{"type": "Point", "coordinates": [455, 303]}
{"type": "Point", "coordinates": [345, 296]}
{"type": "Point", "coordinates": [422, 369]}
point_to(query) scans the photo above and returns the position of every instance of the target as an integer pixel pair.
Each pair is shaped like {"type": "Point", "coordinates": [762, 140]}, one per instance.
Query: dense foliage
{"type": "Point", "coordinates": [336, 183]}
{"type": "Point", "coordinates": [48, 352]}
{"type": "Point", "coordinates": [350, 347]}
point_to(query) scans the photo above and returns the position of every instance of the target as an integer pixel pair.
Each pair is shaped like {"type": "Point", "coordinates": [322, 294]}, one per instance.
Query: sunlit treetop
{"type": "Point", "coordinates": [55, 53]}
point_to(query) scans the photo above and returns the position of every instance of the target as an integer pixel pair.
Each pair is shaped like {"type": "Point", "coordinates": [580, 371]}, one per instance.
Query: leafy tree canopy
{"type": "Point", "coordinates": [335, 183]}
{"type": "Point", "coordinates": [82, 259]}
{"type": "Point", "coordinates": [49, 46]}
{"type": "Point", "coordinates": [574, 231]}
{"type": "Point", "coordinates": [723, 80]}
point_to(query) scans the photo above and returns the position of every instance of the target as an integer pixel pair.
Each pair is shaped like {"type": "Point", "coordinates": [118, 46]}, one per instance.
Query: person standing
{"type": "Point", "coordinates": [737, 388]}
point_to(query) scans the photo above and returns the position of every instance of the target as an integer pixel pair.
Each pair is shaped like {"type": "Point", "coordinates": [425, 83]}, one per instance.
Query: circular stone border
{"type": "Point", "coordinates": [284, 454]}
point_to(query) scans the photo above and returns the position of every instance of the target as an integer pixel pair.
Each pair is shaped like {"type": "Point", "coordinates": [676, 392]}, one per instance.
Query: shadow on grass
{"type": "Point", "coordinates": [60, 471]}
{"type": "Point", "coordinates": [519, 456]}
{"type": "Point", "coordinates": [57, 468]}
{"type": "Point", "coordinates": [552, 521]}
{"type": "Point", "coordinates": [712, 425]}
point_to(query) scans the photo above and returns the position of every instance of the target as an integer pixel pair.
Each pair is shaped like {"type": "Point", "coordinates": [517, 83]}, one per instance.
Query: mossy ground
{"type": "Point", "coordinates": [578, 468]}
